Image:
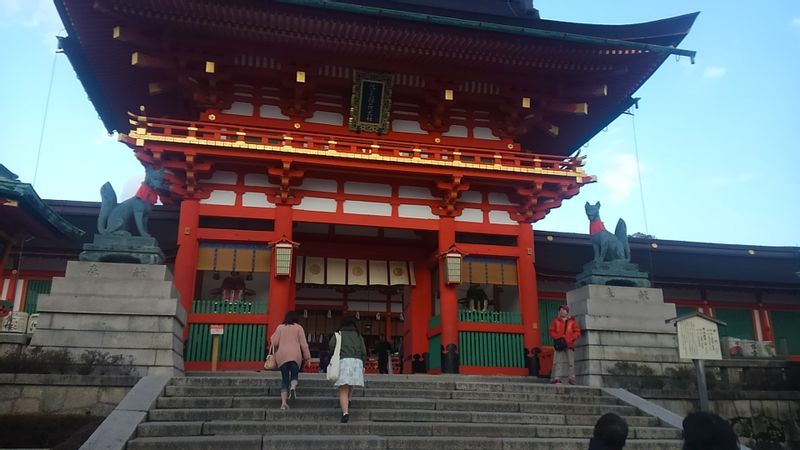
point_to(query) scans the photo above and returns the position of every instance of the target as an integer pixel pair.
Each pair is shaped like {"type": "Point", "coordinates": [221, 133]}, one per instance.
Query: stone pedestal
{"type": "Point", "coordinates": [123, 309]}
{"type": "Point", "coordinates": [122, 248]}
{"type": "Point", "coordinates": [622, 325]}
{"type": "Point", "coordinates": [614, 273]}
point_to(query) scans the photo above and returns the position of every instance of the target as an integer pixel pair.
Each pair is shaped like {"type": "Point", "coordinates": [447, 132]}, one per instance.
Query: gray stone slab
{"type": "Point", "coordinates": [644, 325]}
{"type": "Point", "coordinates": [664, 340]}
{"type": "Point", "coordinates": [628, 309]}
{"type": "Point", "coordinates": [114, 287]}
{"type": "Point", "coordinates": [296, 442]}
{"type": "Point", "coordinates": [620, 293]}
{"type": "Point", "coordinates": [114, 305]}
{"type": "Point", "coordinates": [443, 443]}
{"type": "Point", "coordinates": [198, 442]}
{"type": "Point", "coordinates": [115, 431]}
{"type": "Point", "coordinates": [144, 395]}
{"type": "Point", "coordinates": [618, 353]}
{"type": "Point", "coordinates": [94, 270]}
{"type": "Point", "coordinates": [154, 429]}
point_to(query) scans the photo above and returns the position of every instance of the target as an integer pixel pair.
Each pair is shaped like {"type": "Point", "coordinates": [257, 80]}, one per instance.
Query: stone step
{"type": "Point", "coordinates": [384, 411]}
{"type": "Point", "coordinates": [303, 390]}
{"type": "Point", "coordinates": [412, 382]}
{"type": "Point", "coordinates": [390, 429]}
{"type": "Point", "coordinates": [254, 442]}
{"type": "Point", "coordinates": [330, 400]}
{"type": "Point", "coordinates": [355, 442]}
{"type": "Point", "coordinates": [386, 403]}
{"type": "Point", "coordinates": [321, 417]}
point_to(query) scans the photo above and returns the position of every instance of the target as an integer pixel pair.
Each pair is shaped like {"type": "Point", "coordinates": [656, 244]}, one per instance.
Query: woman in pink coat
{"type": "Point", "coordinates": [291, 351]}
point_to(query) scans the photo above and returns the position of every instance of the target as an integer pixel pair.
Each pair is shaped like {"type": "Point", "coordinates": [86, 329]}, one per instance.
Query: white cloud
{"type": "Point", "coordinates": [715, 72]}
{"type": "Point", "coordinates": [38, 14]}
{"type": "Point", "coordinates": [796, 22]}
{"type": "Point", "coordinates": [729, 180]}
{"type": "Point", "coordinates": [103, 137]}
{"type": "Point", "coordinates": [621, 178]}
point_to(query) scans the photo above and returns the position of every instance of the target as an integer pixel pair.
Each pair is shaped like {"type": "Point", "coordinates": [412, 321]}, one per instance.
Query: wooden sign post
{"type": "Point", "coordinates": [216, 332]}
{"type": "Point", "coordinates": [698, 340]}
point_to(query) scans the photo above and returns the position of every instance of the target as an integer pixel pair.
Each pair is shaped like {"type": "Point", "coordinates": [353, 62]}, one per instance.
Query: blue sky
{"type": "Point", "coordinates": [718, 155]}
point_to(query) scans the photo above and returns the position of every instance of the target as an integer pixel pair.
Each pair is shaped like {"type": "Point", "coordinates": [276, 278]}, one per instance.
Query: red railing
{"type": "Point", "coordinates": [160, 129]}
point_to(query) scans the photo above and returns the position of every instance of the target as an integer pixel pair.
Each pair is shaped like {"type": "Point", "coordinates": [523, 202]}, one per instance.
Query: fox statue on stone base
{"type": "Point", "coordinates": [607, 246]}
{"type": "Point", "coordinates": [113, 218]}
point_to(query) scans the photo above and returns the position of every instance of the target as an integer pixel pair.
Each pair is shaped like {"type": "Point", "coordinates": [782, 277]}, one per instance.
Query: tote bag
{"type": "Point", "coordinates": [333, 366]}
{"type": "Point", "coordinates": [271, 363]}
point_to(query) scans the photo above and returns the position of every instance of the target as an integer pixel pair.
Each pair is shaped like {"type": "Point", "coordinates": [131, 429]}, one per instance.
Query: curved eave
{"type": "Point", "coordinates": [638, 36]}
{"type": "Point", "coordinates": [364, 33]}
{"type": "Point", "coordinates": [89, 81]}
{"type": "Point", "coordinates": [30, 204]}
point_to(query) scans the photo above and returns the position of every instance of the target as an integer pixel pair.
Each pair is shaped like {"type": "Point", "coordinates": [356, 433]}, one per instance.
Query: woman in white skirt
{"type": "Point", "coordinates": [352, 356]}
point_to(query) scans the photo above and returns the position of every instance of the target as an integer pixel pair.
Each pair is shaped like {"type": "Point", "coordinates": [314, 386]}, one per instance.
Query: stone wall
{"type": "Point", "coordinates": [62, 394]}
{"type": "Point", "coordinates": [761, 419]}
{"type": "Point", "coordinates": [121, 309]}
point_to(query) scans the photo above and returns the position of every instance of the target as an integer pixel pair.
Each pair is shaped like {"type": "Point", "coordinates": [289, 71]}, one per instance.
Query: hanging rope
{"type": "Point", "coordinates": [44, 118]}
{"type": "Point", "coordinates": [639, 174]}
{"type": "Point", "coordinates": [641, 193]}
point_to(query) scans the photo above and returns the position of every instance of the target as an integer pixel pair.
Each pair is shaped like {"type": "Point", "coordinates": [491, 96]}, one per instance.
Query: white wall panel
{"type": "Point", "coordinates": [256, 200]}
{"type": "Point", "coordinates": [371, 208]}
{"type": "Point", "coordinates": [382, 190]}
{"type": "Point", "coordinates": [220, 198]}
{"type": "Point", "coordinates": [317, 204]}
{"type": "Point", "coordinates": [501, 218]}
{"type": "Point", "coordinates": [416, 212]}
{"type": "Point", "coordinates": [470, 215]}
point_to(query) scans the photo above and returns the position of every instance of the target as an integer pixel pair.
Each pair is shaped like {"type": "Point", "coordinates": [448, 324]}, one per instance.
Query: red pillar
{"type": "Point", "coordinates": [4, 257]}
{"type": "Point", "coordinates": [448, 301]}
{"type": "Point", "coordinates": [528, 291]}
{"type": "Point", "coordinates": [186, 259]}
{"type": "Point", "coordinates": [281, 289]}
{"type": "Point", "coordinates": [12, 286]}
{"type": "Point", "coordinates": [766, 324]}
{"type": "Point", "coordinates": [417, 316]}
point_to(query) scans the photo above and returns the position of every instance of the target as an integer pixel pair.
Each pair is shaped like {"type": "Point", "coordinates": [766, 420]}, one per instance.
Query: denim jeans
{"type": "Point", "coordinates": [289, 371]}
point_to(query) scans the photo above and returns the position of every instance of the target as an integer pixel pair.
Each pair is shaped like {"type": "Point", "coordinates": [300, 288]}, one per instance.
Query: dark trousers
{"type": "Point", "coordinates": [383, 365]}
{"type": "Point", "coordinates": [289, 371]}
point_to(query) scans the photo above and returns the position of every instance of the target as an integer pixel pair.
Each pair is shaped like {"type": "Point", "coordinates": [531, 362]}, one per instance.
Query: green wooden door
{"type": "Point", "coordinates": [548, 309]}
{"type": "Point", "coordinates": [34, 289]}
{"type": "Point", "coordinates": [681, 310]}
{"type": "Point", "coordinates": [739, 323]}
{"type": "Point", "coordinates": [786, 325]}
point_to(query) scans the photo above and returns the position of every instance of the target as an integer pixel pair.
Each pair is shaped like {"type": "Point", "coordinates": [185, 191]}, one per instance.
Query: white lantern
{"type": "Point", "coordinates": [452, 267]}
{"type": "Point", "coordinates": [284, 253]}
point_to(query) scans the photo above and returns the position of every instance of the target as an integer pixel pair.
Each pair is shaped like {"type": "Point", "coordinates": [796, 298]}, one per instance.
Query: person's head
{"type": "Point", "coordinates": [290, 318]}
{"type": "Point", "coordinates": [707, 431]}
{"type": "Point", "coordinates": [610, 431]}
{"type": "Point", "coordinates": [563, 311]}
{"type": "Point", "coordinates": [349, 323]}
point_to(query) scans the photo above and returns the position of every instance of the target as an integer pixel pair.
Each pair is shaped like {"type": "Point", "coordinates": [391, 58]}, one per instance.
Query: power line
{"type": "Point", "coordinates": [44, 118]}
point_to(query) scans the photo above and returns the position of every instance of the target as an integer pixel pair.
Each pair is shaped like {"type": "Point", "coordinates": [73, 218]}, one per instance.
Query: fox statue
{"type": "Point", "coordinates": [607, 246]}
{"type": "Point", "coordinates": [114, 217]}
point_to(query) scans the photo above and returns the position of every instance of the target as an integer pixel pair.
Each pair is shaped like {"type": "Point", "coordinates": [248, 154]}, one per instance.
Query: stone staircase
{"type": "Point", "coordinates": [404, 412]}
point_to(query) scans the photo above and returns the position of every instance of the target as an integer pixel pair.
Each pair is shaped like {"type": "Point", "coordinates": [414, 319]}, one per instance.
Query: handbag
{"type": "Point", "coordinates": [560, 344]}
{"type": "Point", "coordinates": [333, 366]}
{"type": "Point", "coordinates": [271, 363]}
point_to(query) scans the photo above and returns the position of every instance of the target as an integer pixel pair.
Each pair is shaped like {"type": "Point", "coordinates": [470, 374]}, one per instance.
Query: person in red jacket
{"type": "Point", "coordinates": [564, 331]}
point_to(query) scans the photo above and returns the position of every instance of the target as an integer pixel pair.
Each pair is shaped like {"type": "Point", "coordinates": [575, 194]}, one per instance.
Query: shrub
{"type": "Point", "coordinates": [101, 363]}
{"type": "Point", "coordinates": [37, 360]}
